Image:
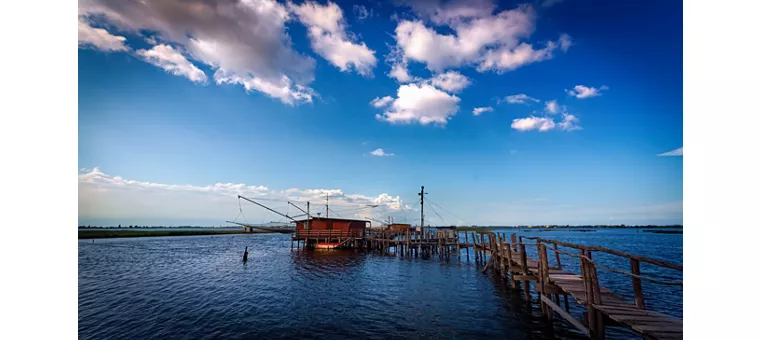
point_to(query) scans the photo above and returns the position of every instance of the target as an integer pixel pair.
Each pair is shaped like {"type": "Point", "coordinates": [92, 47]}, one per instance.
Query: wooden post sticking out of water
{"type": "Point", "coordinates": [510, 273]}
{"type": "Point", "coordinates": [524, 264]}
{"type": "Point", "coordinates": [245, 254]}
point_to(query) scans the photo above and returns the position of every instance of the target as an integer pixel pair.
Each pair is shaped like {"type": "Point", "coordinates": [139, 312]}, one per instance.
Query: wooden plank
{"type": "Point", "coordinates": [634, 318]}
{"type": "Point", "coordinates": [664, 335]}
{"type": "Point", "coordinates": [658, 328]}
{"type": "Point", "coordinates": [524, 277]}
{"type": "Point", "coordinates": [565, 315]}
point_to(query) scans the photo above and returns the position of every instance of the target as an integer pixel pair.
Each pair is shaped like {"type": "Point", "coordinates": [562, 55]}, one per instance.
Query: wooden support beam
{"type": "Point", "coordinates": [565, 315]}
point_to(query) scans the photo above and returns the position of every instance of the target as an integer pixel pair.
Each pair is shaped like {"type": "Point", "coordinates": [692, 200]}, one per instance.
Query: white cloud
{"type": "Point", "coordinates": [400, 73]}
{"type": "Point", "coordinates": [361, 12]}
{"type": "Point", "coordinates": [443, 12]}
{"type": "Point", "coordinates": [490, 41]}
{"type": "Point", "coordinates": [478, 110]}
{"type": "Point", "coordinates": [99, 38]}
{"type": "Point", "coordinates": [399, 66]}
{"type": "Point", "coordinates": [103, 196]}
{"type": "Point", "coordinates": [169, 59]}
{"type": "Point", "coordinates": [248, 39]}
{"type": "Point", "coordinates": [380, 153]}
{"type": "Point", "coordinates": [565, 41]}
{"type": "Point", "coordinates": [327, 32]}
{"type": "Point", "coordinates": [581, 91]}
{"type": "Point", "coordinates": [380, 102]}
{"type": "Point", "coordinates": [450, 81]}
{"type": "Point", "coordinates": [676, 152]}
{"type": "Point", "coordinates": [533, 123]}
{"type": "Point", "coordinates": [552, 106]}
{"type": "Point", "coordinates": [519, 99]}
{"type": "Point", "coordinates": [421, 103]}
{"type": "Point", "coordinates": [568, 123]}
{"type": "Point", "coordinates": [508, 59]}
{"type": "Point", "coordinates": [282, 89]}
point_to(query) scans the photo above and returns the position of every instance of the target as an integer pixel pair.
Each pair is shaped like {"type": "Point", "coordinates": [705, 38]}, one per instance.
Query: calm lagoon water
{"type": "Point", "coordinates": [196, 287]}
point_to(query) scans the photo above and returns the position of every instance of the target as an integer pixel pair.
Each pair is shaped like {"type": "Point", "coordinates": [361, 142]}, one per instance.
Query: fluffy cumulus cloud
{"type": "Point", "coordinates": [552, 107]}
{"type": "Point", "coordinates": [380, 153]}
{"type": "Point", "coordinates": [243, 42]}
{"type": "Point", "coordinates": [569, 122]}
{"type": "Point", "coordinates": [478, 110]}
{"type": "Point", "coordinates": [327, 32]}
{"type": "Point", "coordinates": [442, 12]}
{"type": "Point", "coordinates": [169, 59]}
{"type": "Point", "coordinates": [481, 38]}
{"type": "Point", "coordinates": [508, 59]}
{"type": "Point", "coordinates": [381, 102]}
{"type": "Point", "coordinates": [676, 152]}
{"type": "Point", "coordinates": [99, 38]}
{"type": "Point", "coordinates": [581, 91]}
{"type": "Point", "coordinates": [519, 99]}
{"type": "Point", "coordinates": [450, 81]}
{"type": "Point", "coordinates": [421, 103]}
{"type": "Point", "coordinates": [103, 196]}
{"type": "Point", "coordinates": [533, 123]}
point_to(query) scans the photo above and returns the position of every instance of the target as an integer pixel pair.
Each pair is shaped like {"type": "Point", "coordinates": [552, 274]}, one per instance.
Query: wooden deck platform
{"type": "Point", "coordinates": [609, 307]}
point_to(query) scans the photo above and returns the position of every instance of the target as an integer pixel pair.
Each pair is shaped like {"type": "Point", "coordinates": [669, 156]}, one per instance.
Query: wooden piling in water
{"type": "Point", "coordinates": [524, 264]}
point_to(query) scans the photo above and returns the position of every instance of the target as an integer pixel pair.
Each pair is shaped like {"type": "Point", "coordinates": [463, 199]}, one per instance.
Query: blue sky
{"type": "Point", "coordinates": [183, 107]}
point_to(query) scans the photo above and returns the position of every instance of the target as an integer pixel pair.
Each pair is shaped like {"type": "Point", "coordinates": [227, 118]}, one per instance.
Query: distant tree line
{"type": "Point", "coordinates": [145, 226]}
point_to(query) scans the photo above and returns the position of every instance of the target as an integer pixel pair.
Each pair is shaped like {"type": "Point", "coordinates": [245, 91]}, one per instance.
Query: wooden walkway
{"type": "Point", "coordinates": [603, 306]}
{"type": "Point", "coordinates": [552, 283]}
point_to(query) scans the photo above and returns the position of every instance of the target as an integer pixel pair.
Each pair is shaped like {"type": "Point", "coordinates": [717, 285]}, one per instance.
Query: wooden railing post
{"type": "Point", "coordinates": [590, 310]}
{"type": "Point", "coordinates": [511, 274]}
{"type": "Point", "coordinates": [638, 292]}
{"type": "Point", "coordinates": [556, 253]}
{"type": "Point", "coordinates": [524, 264]}
{"type": "Point", "coordinates": [597, 299]}
{"type": "Point", "coordinates": [543, 277]}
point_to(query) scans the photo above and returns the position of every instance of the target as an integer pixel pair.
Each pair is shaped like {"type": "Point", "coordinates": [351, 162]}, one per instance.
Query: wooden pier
{"type": "Point", "coordinates": [509, 258]}
{"type": "Point", "coordinates": [602, 306]}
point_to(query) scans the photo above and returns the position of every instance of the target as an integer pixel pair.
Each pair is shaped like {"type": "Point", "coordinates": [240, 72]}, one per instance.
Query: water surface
{"type": "Point", "coordinates": [196, 287]}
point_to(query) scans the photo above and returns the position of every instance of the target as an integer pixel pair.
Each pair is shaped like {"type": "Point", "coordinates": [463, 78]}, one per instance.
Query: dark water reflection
{"type": "Point", "coordinates": [197, 287]}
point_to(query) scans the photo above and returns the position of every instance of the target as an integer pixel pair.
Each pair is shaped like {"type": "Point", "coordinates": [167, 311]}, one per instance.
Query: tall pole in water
{"type": "Point", "coordinates": [422, 207]}
{"type": "Point", "coordinates": [327, 207]}
{"type": "Point", "coordinates": [308, 216]}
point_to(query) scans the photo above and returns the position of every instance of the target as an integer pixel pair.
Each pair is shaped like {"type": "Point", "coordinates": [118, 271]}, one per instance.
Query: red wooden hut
{"type": "Point", "coordinates": [329, 231]}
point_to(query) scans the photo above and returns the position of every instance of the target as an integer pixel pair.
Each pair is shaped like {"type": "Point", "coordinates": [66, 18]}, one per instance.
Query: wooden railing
{"type": "Point", "coordinates": [588, 266]}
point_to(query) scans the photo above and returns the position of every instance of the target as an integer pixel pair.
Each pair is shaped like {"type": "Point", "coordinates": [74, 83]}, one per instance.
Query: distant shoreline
{"type": "Point", "coordinates": [111, 233]}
